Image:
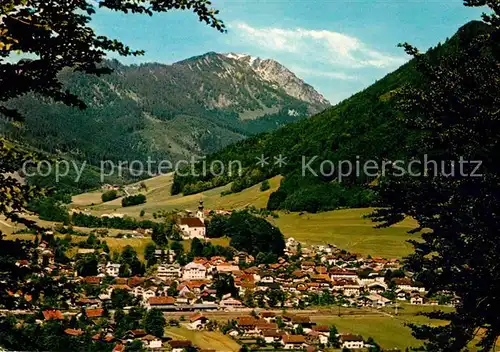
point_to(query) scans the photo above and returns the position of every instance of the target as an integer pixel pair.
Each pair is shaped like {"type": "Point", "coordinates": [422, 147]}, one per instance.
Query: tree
{"type": "Point", "coordinates": [109, 195]}
{"type": "Point", "coordinates": [333, 338]}
{"type": "Point", "coordinates": [249, 233]}
{"type": "Point", "coordinates": [248, 299]}
{"type": "Point", "coordinates": [456, 109]}
{"type": "Point", "coordinates": [264, 186]}
{"type": "Point", "coordinates": [374, 347]}
{"type": "Point", "coordinates": [87, 265]}
{"type": "Point", "coordinates": [155, 322]}
{"type": "Point", "coordinates": [196, 247]}
{"type": "Point", "coordinates": [149, 254]}
{"type": "Point", "coordinates": [224, 284]}
{"type": "Point", "coordinates": [135, 346]}
{"type": "Point", "coordinates": [299, 330]}
{"type": "Point", "coordinates": [276, 296]}
{"type": "Point", "coordinates": [161, 233]}
{"type": "Point", "coordinates": [172, 289]}
{"type": "Point", "coordinates": [178, 248]}
{"type": "Point", "coordinates": [133, 200]}
{"type": "Point", "coordinates": [129, 258]}
{"type": "Point", "coordinates": [216, 227]}
{"type": "Point", "coordinates": [121, 298]}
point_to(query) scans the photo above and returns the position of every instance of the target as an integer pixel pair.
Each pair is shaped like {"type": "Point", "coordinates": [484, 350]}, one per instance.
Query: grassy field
{"type": "Point", "coordinates": [389, 330]}
{"type": "Point", "coordinates": [160, 199]}
{"type": "Point", "coordinates": [348, 230]}
{"type": "Point", "coordinates": [117, 244]}
{"type": "Point", "coordinates": [114, 244]}
{"type": "Point", "coordinates": [86, 199]}
{"type": "Point", "coordinates": [159, 184]}
{"type": "Point", "coordinates": [204, 339]}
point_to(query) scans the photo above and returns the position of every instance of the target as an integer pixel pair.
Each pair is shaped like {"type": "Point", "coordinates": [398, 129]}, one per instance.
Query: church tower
{"type": "Point", "coordinates": [200, 214]}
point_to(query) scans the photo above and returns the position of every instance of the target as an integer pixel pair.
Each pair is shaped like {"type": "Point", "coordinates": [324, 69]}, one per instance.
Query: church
{"type": "Point", "coordinates": [193, 227]}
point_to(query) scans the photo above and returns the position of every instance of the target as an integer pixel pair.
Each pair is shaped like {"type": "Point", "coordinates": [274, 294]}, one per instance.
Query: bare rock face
{"type": "Point", "coordinates": [274, 72]}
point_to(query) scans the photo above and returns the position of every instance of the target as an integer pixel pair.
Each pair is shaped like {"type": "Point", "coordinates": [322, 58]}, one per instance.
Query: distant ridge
{"type": "Point", "coordinates": [192, 107]}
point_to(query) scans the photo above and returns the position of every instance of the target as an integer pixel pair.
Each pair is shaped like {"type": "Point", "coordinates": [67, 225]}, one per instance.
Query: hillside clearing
{"type": "Point", "coordinates": [160, 199]}
{"type": "Point", "coordinates": [349, 230]}
{"type": "Point", "coordinates": [204, 339]}
{"type": "Point", "coordinates": [346, 228]}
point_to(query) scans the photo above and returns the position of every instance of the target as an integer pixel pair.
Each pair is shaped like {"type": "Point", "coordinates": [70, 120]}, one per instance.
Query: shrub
{"type": "Point", "coordinates": [109, 195]}
{"type": "Point", "coordinates": [133, 200]}
{"type": "Point", "coordinates": [264, 186]}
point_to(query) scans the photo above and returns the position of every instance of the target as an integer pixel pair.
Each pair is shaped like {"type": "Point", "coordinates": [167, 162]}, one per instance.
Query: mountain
{"type": "Point", "coordinates": [281, 77]}
{"type": "Point", "coordinates": [365, 127]}
{"type": "Point", "coordinates": [192, 107]}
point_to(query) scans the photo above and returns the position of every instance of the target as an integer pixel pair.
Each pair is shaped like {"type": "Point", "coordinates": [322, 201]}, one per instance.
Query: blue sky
{"type": "Point", "coordinates": [337, 46]}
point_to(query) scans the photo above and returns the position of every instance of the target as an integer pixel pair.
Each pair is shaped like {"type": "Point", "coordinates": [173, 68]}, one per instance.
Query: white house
{"type": "Point", "coordinates": [267, 279]}
{"type": "Point", "coordinates": [227, 268]}
{"type": "Point", "coordinates": [137, 291]}
{"type": "Point", "coordinates": [378, 300]}
{"type": "Point", "coordinates": [180, 345]}
{"type": "Point", "coordinates": [194, 271]}
{"type": "Point", "coordinates": [291, 246]}
{"type": "Point", "coordinates": [271, 336]}
{"type": "Point", "coordinates": [407, 284]}
{"type": "Point", "coordinates": [163, 303]}
{"type": "Point", "coordinates": [147, 294]}
{"type": "Point", "coordinates": [163, 255]}
{"type": "Point", "coordinates": [169, 271]}
{"type": "Point", "coordinates": [230, 303]}
{"type": "Point", "coordinates": [343, 274]}
{"type": "Point", "coordinates": [377, 287]}
{"type": "Point", "coordinates": [152, 342]}
{"type": "Point", "coordinates": [197, 322]}
{"type": "Point", "coordinates": [109, 269]}
{"type": "Point", "coordinates": [352, 342]}
{"type": "Point", "coordinates": [293, 342]}
{"type": "Point", "coordinates": [416, 299]}
{"type": "Point", "coordinates": [351, 290]}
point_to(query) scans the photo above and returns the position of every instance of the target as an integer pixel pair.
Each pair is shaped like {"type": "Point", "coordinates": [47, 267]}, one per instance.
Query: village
{"type": "Point", "coordinates": [266, 303]}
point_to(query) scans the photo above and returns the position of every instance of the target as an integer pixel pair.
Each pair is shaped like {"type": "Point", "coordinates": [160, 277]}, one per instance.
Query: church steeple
{"type": "Point", "coordinates": [200, 213]}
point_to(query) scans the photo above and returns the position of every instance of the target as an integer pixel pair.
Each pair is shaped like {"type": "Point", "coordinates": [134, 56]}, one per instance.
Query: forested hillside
{"type": "Point", "coordinates": [195, 106]}
{"type": "Point", "coordinates": [364, 127]}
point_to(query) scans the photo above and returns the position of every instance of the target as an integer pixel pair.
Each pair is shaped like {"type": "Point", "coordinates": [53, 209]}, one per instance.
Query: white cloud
{"type": "Point", "coordinates": [330, 47]}
{"type": "Point", "coordinates": [319, 73]}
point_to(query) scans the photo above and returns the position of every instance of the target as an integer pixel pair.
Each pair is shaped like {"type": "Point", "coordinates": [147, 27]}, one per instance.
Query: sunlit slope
{"type": "Point", "coordinates": [348, 229]}
{"type": "Point", "coordinates": [159, 199]}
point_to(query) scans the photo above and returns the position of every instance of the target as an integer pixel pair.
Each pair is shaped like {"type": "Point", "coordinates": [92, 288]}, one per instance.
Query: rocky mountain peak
{"type": "Point", "coordinates": [274, 72]}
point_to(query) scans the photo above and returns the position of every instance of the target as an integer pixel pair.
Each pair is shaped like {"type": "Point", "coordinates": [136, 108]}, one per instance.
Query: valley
{"type": "Point", "coordinates": [347, 228]}
{"type": "Point", "coordinates": [124, 226]}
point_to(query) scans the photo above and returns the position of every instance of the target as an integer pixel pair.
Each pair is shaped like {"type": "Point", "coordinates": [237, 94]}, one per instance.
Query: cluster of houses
{"type": "Point", "coordinates": [294, 332]}
{"type": "Point", "coordinates": [352, 279]}
{"type": "Point", "coordinates": [300, 275]}
{"type": "Point", "coordinates": [107, 335]}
